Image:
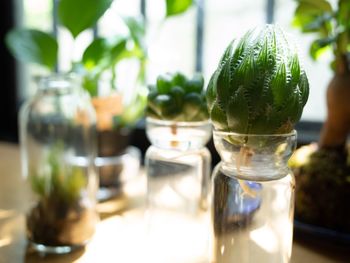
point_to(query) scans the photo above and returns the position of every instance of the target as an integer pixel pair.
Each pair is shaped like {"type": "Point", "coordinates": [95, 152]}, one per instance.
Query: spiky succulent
{"type": "Point", "coordinates": [259, 86]}
{"type": "Point", "coordinates": [177, 98]}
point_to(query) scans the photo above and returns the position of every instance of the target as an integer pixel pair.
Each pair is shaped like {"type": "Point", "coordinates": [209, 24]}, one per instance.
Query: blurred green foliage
{"type": "Point", "coordinates": [54, 178]}
{"type": "Point", "coordinates": [101, 55]}
{"type": "Point", "coordinates": [330, 25]}
{"type": "Point", "coordinates": [178, 98]}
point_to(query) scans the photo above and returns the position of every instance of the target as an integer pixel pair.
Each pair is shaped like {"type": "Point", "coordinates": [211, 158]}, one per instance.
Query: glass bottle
{"type": "Point", "coordinates": [117, 162]}
{"type": "Point", "coordinates": [178, 175]}
{"type": "Point", "coordinates": [58, 147]}
{"type": "Point", "coordinates": [252, 198]}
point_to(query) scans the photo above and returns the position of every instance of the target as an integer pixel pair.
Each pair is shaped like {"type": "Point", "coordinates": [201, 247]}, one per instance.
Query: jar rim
{"type": "Point", "coordinates": [58, 80]}
{"type": "Point", "coordinates": [226, 133]}
{"type": "Point", "coordinates": [151, 120]}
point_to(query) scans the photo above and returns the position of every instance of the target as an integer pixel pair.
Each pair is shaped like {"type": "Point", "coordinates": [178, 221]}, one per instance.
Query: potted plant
{"type": "Point", "coordinates": [177, 98]}
{"type": "Point", "coordinates": [177, 165]}
{"type": "Point", "coordinates": [255, 97]}
{"type": "Point", "coordinates": [324, 168]}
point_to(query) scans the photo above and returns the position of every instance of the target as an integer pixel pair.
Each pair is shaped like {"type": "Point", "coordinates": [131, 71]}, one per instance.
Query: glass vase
{"type": "Point", "coordinates": [178, 175]}
{"type": "Point", "coordinates": [117, 162]}
{"type": "Point", "coordinates": [252, 198]}
{"type": "Point", "coordinates": [58, 147]}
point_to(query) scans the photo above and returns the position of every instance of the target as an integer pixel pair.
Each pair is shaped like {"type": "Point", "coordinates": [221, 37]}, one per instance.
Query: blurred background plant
{"type": "Point", "coordinates": [56, 181]}
{"type": "Point", "coordinates": [325, 169]}
{"type": "Point", "coordinates": [119, 104]}
{"type": "Point", "coordinates": [99, 60]}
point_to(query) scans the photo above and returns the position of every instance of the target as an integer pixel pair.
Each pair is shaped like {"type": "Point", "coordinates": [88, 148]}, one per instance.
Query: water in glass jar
{"type": "Point", "coordinates": [177, 210]}
{"type": "Point", "coordinates": [252, 221]}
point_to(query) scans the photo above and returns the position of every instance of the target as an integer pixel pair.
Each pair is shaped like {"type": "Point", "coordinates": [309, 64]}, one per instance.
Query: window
{"type": "Point", "coordinates": [319, 72]}
{"type": "Point", "coordinates": [188, 42]}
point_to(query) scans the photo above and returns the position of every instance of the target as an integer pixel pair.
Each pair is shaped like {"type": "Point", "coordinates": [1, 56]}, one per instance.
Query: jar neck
{"type": "Point", "coordinates": [58, 84]}
{"type": "Point", "coordinates": [255, 157]}
{"type": "Point", "coordinates": [178, 136]}
{"type": "Point", "coordinates": [265, 171]}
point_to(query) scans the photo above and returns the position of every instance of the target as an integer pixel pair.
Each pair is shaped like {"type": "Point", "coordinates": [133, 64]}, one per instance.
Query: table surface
{"type": "Point", "coordinates": [118, 237]}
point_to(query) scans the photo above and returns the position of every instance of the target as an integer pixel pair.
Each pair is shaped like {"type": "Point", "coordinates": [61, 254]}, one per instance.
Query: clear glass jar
{"type": "Point", "coordinates": [58, 147]}
{"type": "Point", "coordinates": [118, 163]}
{"type": "Point", "coordinates": [116, 172]}
{"type": "Point", "coordinates": [252, 198]}
{"type": "Point", "coordinates": [178, 176]}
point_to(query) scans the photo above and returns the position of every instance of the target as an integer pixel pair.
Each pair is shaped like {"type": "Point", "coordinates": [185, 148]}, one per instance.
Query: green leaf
{"type": "Point", "coordinates": [137, 30]}
{"type": "Point", "coordinates": [119, 50]}
{"type": "Point", "coordinates": [95, 52]}
{"type": "Point", "coordinates": [79, 15]}
{"type": "Point", "coordinates": [320, 23]}
{"type": "Point", "coordinates": [195, 84]}
{"type": "Point", "coordinates": [279, 80]}
{"type": "Point", "coordinates": [237, 112]}
{"type": "Point", "coordinates": [304, 87]}
{"type": "Point", "coordinates": [218, 117]}
{"type": "Point", "coordinates": [211, 92]}
{"type": "Point", "coordinates": [164, 83]}
{"type": "Point", "coordinates": [343, 14]}
{"type": "Point", "coordinates": [294, 66]}
{"type": "Point", "coordinates": [167, 106]}
{"type": "Point", "coordinates": [90, 84]}
{"type": "Point", "coordinates": [192, 105]}
{"type": "Point", "coordinates": [179, 79]}
{"type": "Point", "coordinates": [178, 94]}
{"type": "Point", "coordinates": [103, 53]}
{"type": "Point", "coordinates": [175, 7]}
{"type": "Point", "coordinates": [29, 45]}
{"type": "Point", "coordinates": [312, 6]}
{"type": "Point", "coordinates": [314, 16]}
{"type": "Point", "coordinates": [320, 46]}
{"type": "Point", "coordinates": [222, 77]}
{"type": "Point", "coordinates": [343, 39]}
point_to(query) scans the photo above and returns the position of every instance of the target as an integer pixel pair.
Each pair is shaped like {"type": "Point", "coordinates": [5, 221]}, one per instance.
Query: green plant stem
{"type": "Point", "coordinates": [114, 77]}
{"type": "Point", "coordinates": [244, 158]}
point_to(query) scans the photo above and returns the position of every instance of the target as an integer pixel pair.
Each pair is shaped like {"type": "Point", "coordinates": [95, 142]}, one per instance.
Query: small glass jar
{"type": "Point", "coordinates": [178, 176]}
{"type": "Point", "coordinates": [58, 147]}
{"type": "Point", "coordinates": [118, 163]}
{"type": "Point", "coordinates": [252, 198]}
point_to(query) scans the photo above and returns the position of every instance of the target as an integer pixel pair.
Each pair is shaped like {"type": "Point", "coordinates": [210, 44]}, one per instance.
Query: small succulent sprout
{"type": "Point", "coordinates": [177, 98]}
{"type": "Point", "coordinates": [259, 86]}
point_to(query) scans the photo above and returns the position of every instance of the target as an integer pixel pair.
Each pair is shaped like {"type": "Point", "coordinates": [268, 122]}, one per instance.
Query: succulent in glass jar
{"type": "Point", "coordinates": [255, 97]}
{"type": "Point", "coordinates": [259, 86]}
{"type": "Point", "coordinates": [178, 98]}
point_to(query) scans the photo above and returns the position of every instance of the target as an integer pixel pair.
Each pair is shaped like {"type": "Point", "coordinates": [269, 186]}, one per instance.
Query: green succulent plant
{"type": "Point", "coordinates": [259, 86]}
{"type": "Point", "coordinates": [177, 98]}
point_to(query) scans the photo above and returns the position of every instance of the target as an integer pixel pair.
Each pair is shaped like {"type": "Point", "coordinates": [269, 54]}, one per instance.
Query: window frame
{"type": "Point", "coordinates": [10, 100]}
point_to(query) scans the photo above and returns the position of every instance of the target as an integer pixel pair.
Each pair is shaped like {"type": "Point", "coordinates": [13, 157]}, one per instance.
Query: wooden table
{"type": "Point", "coordinates": [118, 237]}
